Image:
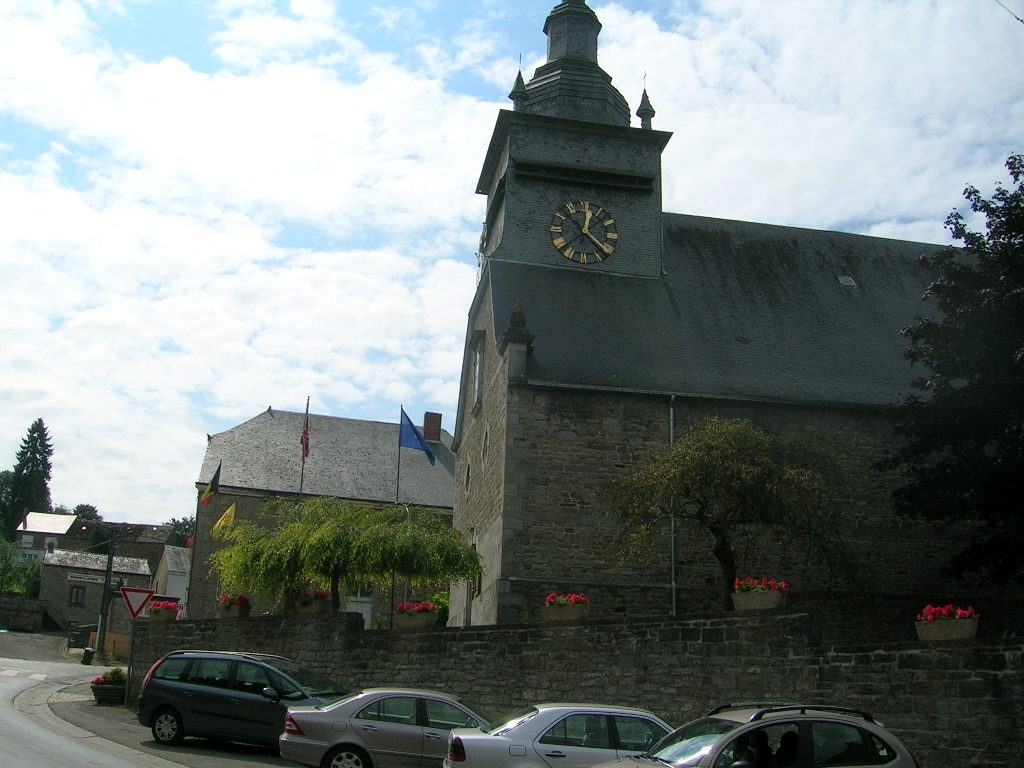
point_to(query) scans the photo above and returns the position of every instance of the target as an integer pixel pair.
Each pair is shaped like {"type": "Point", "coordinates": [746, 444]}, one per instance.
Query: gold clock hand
{"type": "Point", "coordinates": [603, 246]}
{"type": "Point", "coordinates": [586, 222]}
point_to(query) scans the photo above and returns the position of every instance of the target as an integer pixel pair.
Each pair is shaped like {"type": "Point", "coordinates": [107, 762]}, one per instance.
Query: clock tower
{"type": "Point", "coordinates": [568, 182]}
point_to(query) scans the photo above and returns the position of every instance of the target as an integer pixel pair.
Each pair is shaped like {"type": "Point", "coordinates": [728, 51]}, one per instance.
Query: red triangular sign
{"type": "Point", "coordinates": [136, 599]}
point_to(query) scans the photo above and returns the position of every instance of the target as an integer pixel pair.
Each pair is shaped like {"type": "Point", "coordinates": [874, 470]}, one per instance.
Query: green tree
{"type": "Point", "coordinates": [181, 530]}
{"type": "Point", "coordinates": [964, 426]}
{"type": "Point", "coordinates": [6, 503]}
{"type": "Point", "coordinates": [328, 542]}
{"type": "Point", "coordinates": [18, 576]}
{"type": "Point", "coordinates": [29, 484]}
{"type": "Point", "coordinates": [742, 485]}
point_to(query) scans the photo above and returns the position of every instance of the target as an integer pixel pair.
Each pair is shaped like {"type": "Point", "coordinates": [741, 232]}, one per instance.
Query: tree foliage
{"type": "Point", "coordinates": [736, 481]}
{"type": "Point", "coordinates": [324, 541]}
{"type": "Point", "coordinates": [964, 425]}
{"type": "Point", "coordinates": [18, 576]}
{"type": "Point", "coordinates": [181, 530]}
{"type": "Point", "coordinates": [29, 489]}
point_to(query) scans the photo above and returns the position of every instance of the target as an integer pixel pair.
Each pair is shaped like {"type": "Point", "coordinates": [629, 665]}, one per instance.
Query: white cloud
{"type": "Point", "coordinates": [184, 244]}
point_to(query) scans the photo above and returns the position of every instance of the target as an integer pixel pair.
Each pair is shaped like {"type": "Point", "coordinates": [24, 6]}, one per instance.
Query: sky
{"type": "Point", "coordinates": [212, 207]}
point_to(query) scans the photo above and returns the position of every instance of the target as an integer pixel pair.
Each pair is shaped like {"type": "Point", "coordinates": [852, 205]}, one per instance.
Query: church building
{"type": "Point", "coordinates": [603, 326]}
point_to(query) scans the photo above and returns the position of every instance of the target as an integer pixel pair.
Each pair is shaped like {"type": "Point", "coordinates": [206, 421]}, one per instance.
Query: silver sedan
{"type": "Point", "coordinates": [376, 728]}
{"type": "Point", "coordinates": [562, 735]}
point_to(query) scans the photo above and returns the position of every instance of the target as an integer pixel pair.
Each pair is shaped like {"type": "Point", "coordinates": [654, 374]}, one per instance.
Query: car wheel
{"type": "Point", "coordinates": [167, 728]}
{"type": "Point", "coordinates": [346, 757]}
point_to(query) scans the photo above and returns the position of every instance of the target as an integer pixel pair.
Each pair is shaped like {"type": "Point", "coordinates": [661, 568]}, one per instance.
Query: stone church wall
{"type": "Point", "coordinates": [565, 446]}
{"type": "Point", "coordinates": [953, 703]}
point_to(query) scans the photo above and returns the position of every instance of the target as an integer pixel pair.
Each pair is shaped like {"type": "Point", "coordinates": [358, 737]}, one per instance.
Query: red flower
{"type": "Point", "coordinates": [572, 598]}
{"type": "Point", "coordinates": [410, 607]}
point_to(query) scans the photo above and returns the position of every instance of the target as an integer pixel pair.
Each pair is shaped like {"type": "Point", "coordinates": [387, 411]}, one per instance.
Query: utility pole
{"type": "Point", "coordinates": [101, 626]}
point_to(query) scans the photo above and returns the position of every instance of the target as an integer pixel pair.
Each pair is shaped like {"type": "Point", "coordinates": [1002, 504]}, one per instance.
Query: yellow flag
{"type": "Point", "coordinates": [225, 522]}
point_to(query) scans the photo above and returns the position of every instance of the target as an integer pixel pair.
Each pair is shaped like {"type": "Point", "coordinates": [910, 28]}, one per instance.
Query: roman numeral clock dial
{"type": "Point", "coordinates": [584, 232]}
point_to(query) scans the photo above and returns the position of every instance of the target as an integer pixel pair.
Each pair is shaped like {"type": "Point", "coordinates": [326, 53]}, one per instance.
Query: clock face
{"type": "Point", "coordinates": [584, 232]}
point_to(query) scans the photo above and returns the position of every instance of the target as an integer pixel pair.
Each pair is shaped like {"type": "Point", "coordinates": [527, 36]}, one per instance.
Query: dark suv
{"type": "Point", "coordinates": [227, 695]}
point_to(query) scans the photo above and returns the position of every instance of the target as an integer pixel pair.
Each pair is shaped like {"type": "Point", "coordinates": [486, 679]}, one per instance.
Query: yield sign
{"type": "Point", "coordinates": [136, 599]}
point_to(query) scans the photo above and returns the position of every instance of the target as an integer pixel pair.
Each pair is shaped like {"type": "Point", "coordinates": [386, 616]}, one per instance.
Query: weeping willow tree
{"type": "Point", "coordinates": [742, 485]}
{"type": "Point", "coordinates": [324, 541]}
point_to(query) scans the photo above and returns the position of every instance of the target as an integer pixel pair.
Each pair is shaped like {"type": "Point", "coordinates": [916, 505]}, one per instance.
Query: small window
{"type": "Point", "coordinates": [477, 362]}
{"type": "Point", "coordinates": [393, 709]}
{"type": "Point", "coordinates": [215, 673]}
{"type": "Point", "coordinates": [171, 669]}
{"type": "Point", "coordinates": [842, 744]}
{"type": "Point", "coordinates": [77, 596]}
{"type": "Point", "coordinates": [573, 731]}
{"type": "Point", "coordinates": [26, 541]}
{"type": "Point", "coordinates": [441, 714]}
{"type": "Point", "coordinates": [251, 678]}
{"type": "Point", "coordinates": [637, 734]}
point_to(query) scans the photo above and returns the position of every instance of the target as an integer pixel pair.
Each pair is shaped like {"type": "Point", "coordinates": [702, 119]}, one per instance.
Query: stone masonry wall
{"type": "Point", "coordinates": [565, 447]}
{"type": "Point", "coordinates": [953, 703]}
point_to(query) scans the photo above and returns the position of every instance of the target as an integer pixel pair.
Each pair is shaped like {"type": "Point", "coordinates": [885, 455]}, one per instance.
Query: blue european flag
{"type": "Point", "coordinates": [410, 437]}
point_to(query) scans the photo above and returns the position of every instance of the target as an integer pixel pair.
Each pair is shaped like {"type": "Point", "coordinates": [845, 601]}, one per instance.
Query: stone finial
{"type": "Point", "coordinates": [515, 331]}
{"type": "Point", "coordinates": [645, 112]}
{"type": "Point", "coordinates": [518, 94]}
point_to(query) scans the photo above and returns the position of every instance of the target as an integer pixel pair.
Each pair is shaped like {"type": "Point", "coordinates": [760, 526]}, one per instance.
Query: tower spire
{"type": "Point", "coordinates": [571, 84]}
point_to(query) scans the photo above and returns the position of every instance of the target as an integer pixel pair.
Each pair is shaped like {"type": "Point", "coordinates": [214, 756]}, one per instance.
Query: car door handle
{"type": "Point", "coordinates": [433, 735]}
{"type": "Point", "coordinates": [554, 754]}
{"type": "Point", "coordinates": [373, 728]}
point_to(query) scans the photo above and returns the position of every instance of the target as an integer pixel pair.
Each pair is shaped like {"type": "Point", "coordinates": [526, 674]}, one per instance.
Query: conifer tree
{"type": "Point", "coordinates": [29, 489]}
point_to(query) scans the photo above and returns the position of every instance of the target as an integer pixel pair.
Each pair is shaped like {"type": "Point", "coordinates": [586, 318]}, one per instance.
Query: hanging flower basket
{"type": "Point", "coordinates": [946, 623]}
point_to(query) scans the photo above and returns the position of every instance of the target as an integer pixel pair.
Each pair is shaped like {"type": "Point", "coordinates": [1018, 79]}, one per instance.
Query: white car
{"type": "Point", "coordinates": [557, 735]}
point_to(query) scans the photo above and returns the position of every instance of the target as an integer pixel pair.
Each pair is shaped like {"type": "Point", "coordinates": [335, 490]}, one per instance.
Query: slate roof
{"type": "Point", "coordinates": [349, 459]}
{"type": "Point", "coordinates": [744, 310]}
{"type": "Point", "coordinates": [86, 561]}
{"type": "Point", "coordinates": [177, 559]}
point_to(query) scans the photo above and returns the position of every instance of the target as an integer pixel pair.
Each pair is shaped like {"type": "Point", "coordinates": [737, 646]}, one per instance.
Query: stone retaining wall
{"type": "Point", "coordinates": [953, 704]}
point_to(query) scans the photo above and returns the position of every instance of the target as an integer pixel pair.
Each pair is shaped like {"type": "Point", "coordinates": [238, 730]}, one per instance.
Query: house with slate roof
{"type": "Point", "coordinates": [349, 459]}
{"type": "Point", "coordinates": [602, 326]}
{"type": "Point", "coordinates": [72, 582]}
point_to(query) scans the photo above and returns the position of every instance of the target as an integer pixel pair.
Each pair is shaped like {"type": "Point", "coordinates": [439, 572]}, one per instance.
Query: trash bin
{"type": "Point", "coordinates": [87, 655]}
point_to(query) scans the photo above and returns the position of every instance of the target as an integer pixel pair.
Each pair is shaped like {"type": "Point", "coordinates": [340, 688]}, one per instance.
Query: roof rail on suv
{"type": "Point", "coordinates": [771, 708]}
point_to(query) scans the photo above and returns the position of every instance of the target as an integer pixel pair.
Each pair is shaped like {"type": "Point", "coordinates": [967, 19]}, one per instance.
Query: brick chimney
{"type": "Point", "coordinates": [432, 427]}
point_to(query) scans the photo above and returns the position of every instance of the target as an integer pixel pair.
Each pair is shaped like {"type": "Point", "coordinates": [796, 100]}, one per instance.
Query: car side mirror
{"type": "Point", "coordinates": [270, 693]}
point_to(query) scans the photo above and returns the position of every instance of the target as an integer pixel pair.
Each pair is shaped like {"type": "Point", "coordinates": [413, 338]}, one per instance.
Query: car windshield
{"type": "Point", "coordinates": [513, 721]}
{"type": "Point", "coordinates": [687, 745]}
{"type": "Point", "coordinates": [311, 682]}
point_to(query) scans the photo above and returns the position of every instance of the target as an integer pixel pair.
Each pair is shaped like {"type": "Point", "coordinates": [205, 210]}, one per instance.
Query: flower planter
{"type": "Point", "coordinates": [108, 694]}
{"type": "Point", "coordinates": [949, 629]}
{"type": "Point", "coordinates": [758, 601]}
{"type": "Point", "coordinates": [423, 620]}
{"type": "Point", "coordinates": [163, 615]}
{"type": "Point", "coordinates": [316, 606]}
{"type": "Point", "coordinates": [566, 611]}
{"type": "Point", "coordinates": [234, 611]}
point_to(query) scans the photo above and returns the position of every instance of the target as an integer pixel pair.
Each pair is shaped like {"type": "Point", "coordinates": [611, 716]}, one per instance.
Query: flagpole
{"type": "Point", "coordinates": [305, 447]}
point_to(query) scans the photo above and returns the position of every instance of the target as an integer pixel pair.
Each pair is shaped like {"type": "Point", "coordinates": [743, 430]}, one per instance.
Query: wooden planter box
{"type": "Point", "coordinates": [234, 611]}
{"type": "Point", "coordinates": [758, 601]}
{"type": "Point", "coordinates": [947, 629]}
{"type": "Point", "coordinates": [424, 620]}
{"type": "Point", "coordinates": [163, 615]}
{"type": "Point", "coordinates": [108, 694]}
{"type": "Point", "coordinates": [319, 605]}
{"type": "Point", "coordinates": [566, 612]}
